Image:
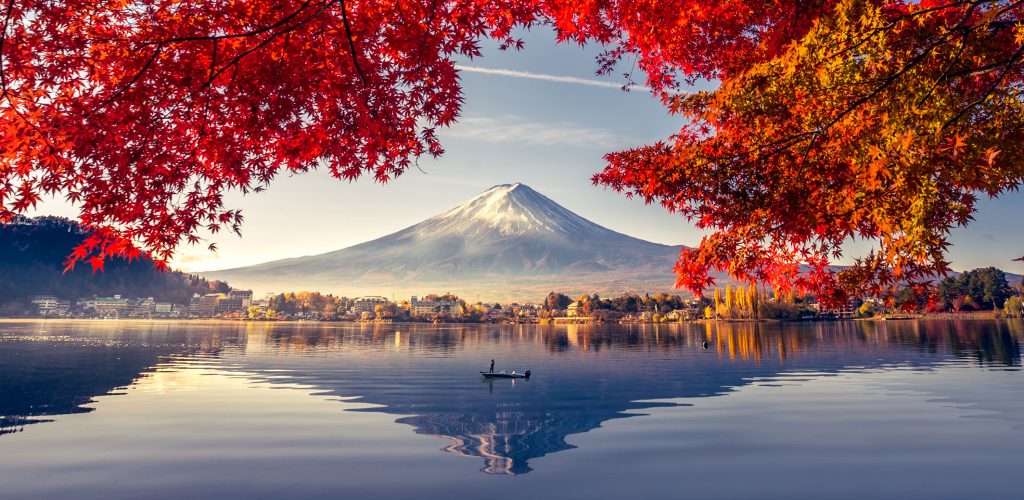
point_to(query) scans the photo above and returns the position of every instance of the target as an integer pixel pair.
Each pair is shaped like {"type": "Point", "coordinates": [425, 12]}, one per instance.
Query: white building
{"type": "Point", "coordinates": [245, 295]}
{"type": "Point", "coordinates": [111, 307]}
{"type": "Point", "coordinates": [164, 310]}
{"type": "Point", "coordinates": [427, 307]}
{"type": "Point", "coordinates": [48, 305]}
{"type": "Point", "coordinates": [367, 304]}
{"type": "Point", "coordinates": [44, 302]}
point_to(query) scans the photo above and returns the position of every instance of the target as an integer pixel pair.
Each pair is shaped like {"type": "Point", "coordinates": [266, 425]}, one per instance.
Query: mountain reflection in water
{"type": "Point", "coordinates": [586, 375]}
{"type": "Point", "coordinates": [427, 375]}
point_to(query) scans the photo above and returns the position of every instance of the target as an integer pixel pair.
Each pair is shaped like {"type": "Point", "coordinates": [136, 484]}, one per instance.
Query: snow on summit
{"type": "Point", "coordinates": [511, 209]}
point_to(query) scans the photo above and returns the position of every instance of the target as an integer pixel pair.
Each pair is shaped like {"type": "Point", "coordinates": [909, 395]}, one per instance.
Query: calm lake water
{"type": "Point", "coordinates": [902, 410]}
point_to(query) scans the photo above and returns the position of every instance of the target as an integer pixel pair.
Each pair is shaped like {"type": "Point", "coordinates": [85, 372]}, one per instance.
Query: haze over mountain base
{"type": "Point", "coordinates": [510, 243]}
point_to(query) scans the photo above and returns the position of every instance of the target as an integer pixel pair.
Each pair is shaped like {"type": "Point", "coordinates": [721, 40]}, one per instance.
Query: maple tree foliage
{"type": "Point", "coordinates": [144, 113]}
{"type": "Point", "coordinates": [832, 118]}
{"type": "Point", "coordinates": [878, 120]}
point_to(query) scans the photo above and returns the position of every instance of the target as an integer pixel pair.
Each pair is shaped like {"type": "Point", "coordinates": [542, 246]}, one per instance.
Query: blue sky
{"type": "Point", "coordinates": [539, 116]}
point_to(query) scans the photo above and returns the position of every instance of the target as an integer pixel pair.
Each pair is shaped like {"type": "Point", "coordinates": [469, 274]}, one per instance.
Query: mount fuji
{"type": "Point", "coordinates": [508, 243]}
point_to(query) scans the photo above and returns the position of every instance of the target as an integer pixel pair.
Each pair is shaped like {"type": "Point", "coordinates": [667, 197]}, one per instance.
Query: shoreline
{"type": "Point", "coordinates": [975, 316]}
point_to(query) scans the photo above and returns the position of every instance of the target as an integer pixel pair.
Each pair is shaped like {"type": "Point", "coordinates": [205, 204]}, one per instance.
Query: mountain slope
{"type": "Point", "coordinates": [510, 242]}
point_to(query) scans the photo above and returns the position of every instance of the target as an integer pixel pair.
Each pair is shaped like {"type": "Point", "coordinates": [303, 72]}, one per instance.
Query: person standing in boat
{"type": "Point", "coordinates": [492, 367]}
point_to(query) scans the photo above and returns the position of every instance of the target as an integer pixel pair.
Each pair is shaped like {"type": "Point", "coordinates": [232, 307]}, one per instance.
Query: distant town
{"type": "Point", "coordinates": [983, 291]}
{"type": "Point", "coordinates": [313, 306]}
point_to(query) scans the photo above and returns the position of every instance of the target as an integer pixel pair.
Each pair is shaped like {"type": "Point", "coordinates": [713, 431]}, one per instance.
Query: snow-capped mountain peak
{"type": "Point", "coordinates": [511, 209]}
{"type": "Point", "coordinates": [509, 234]}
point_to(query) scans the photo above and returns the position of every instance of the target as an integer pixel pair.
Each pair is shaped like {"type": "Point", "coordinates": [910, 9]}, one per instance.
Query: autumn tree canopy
{"type": "Point", "coordinates": [882, 120]}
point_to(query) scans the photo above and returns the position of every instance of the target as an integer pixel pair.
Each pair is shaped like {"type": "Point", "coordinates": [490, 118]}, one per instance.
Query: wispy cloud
{"type": "Point", "coordinates": [511, 129]}
{"type": "Point", "coordinates": [548, 78]}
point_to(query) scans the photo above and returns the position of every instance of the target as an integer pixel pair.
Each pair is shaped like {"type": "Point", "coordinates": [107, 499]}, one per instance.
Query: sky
{"type": "Point", "coordinates": [539, 116]}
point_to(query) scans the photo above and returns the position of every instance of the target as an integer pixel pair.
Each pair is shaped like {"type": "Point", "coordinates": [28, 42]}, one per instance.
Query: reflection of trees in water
{"type": "Point", "coordinates": [56, 368]}
{"type": "Point", "coordinates": [595, 338]}
{"type": "Point", "coordinates": [987, 342]}
{"type": "Point", "coordinates": [10, 424]}
{"type": "Point", "coordinates": [288, 337]}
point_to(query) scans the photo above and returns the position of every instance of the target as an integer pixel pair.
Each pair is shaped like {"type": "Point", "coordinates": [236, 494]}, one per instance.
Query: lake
{"type": "Point", "coordinates": [899, 409]}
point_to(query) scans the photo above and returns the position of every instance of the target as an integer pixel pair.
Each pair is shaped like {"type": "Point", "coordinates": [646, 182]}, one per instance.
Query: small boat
{"type": "Point", "coordinates": [503, 374]}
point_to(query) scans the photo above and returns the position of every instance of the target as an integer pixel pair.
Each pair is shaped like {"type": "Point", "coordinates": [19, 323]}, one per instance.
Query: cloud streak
{"type": "Point", "coordinates": [511, 129]}
{"type": "Point", "coordinates": [547, 78]}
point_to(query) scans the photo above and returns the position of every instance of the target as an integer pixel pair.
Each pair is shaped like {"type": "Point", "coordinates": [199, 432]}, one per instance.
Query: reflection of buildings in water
{"type": "Point", "coordinates": [299, 337]}
{"type": "Point", "coordinates": [987, 342]}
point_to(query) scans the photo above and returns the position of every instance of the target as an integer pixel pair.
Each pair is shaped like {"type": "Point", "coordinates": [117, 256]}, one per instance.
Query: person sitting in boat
{"type": "Point", "coordinates": [492, 367]}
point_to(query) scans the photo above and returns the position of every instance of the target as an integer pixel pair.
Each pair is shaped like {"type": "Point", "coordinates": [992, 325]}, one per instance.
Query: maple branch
{"type": "Point", "coordinates": [988, 68]}
{"type": "Point", "coordinates": [351, 42]}
{"type": "Point", "coordinates": [945, 76]}
{"type": "Point", "coordinates": [209, 93]}
{"type": "Point", "coordinates": [131, 82]}
{"type": "Point", "coordinates": [215, 38]}
{"type": "Point", "coordinates": [280, 22]}
{"type": "Point", "coordinates": [889, 80]}
{"type": "Point", "coordinates": [1006, 69]}
{"type": "Point", "coordinates": [898, 19]}
{"type": "Point", "coordinates": [234, 60]}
